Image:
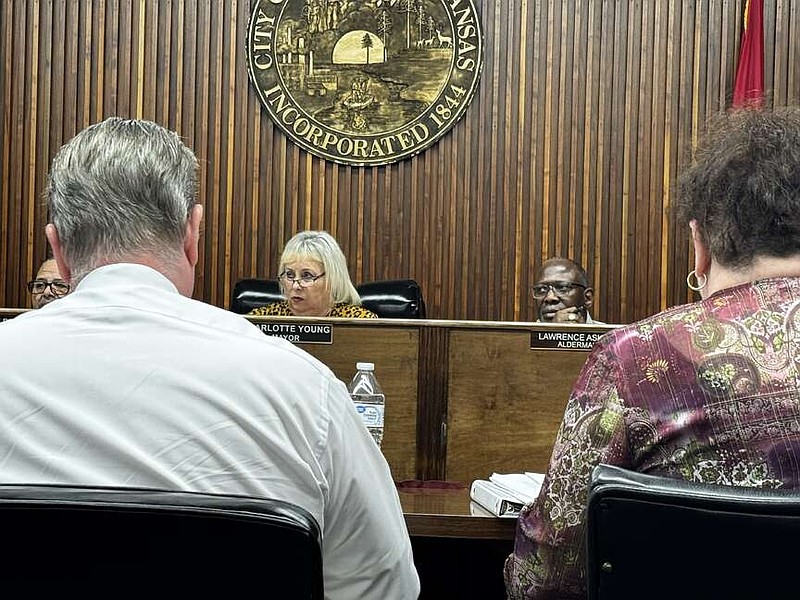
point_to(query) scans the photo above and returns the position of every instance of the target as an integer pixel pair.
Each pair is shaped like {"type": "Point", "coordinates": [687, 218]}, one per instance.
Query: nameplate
{"type": "Point", "coordinates": [301, 333]}
{"type": "Point", "coordinates": [567, 338]}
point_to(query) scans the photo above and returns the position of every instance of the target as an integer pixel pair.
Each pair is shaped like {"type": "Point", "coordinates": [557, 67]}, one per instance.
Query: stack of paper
{"type": "Point", "coordinates": [505, 495]}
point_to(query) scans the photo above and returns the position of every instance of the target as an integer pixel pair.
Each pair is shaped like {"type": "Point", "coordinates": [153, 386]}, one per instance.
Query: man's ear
{"type": "Point", "coordinates": [51, 233]}
{"type": "Point", "coordinates": [191, 239]}
{"type": "Point", "coordinates": [588, 297]}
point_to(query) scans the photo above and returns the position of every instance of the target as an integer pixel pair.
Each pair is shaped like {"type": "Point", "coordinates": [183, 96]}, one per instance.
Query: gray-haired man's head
{"type": "Point", "coordinates": [122, 190]}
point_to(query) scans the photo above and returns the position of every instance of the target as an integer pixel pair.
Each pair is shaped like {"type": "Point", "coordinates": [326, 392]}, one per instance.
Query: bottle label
{"type": "Point", "coordinates": [372, 414]}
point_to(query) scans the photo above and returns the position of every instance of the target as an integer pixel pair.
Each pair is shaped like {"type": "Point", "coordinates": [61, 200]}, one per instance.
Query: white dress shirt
{"type": "Point", "coordinates": [125, 382]}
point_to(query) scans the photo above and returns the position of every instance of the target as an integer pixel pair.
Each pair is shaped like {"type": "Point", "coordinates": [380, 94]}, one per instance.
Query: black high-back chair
{"type": "Point", "coordinates": [398, 298]}
{"type": "Point", "coordinates": [252, 293]}
{"type": "Point", "coordinates": [394, 299]}
{"type": "Point", "coordinates": [118, 542]}
{"type": "Point", "coordinates": [659, 538]}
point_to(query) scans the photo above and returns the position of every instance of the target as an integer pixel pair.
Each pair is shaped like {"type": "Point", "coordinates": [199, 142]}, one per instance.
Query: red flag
{"type": "Point", "coordinates": [748, 89]}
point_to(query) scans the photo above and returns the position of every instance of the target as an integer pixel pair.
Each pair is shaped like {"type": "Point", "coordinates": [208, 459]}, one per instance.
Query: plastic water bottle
{"type": "Point", "coordinates": [368, 398]}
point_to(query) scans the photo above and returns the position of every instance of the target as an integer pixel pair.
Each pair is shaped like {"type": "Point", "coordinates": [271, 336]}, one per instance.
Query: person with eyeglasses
{"type": "Point", "coordinates": [48, 285]}
{"type": "Point", "coordinates": [315, 281]}
{"type": "Point", "coordinates": [149, 388]}
{"type": "Point", "coordinates": [562, 293]}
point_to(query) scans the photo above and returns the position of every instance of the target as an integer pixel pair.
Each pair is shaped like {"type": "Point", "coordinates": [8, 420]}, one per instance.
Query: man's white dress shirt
{"type": "Point", "coordinates": [126, 382]}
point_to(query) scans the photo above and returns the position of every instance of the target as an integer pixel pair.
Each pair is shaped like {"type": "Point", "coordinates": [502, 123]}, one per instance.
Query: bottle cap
{"type": "Point", "coordinates": [365, 366]}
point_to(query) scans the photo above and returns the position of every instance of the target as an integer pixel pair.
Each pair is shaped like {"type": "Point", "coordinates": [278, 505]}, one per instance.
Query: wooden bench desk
{"type": "Point", "coordinates": [463, 398]}
{"type": "Point", "coordinates": [449, 513]}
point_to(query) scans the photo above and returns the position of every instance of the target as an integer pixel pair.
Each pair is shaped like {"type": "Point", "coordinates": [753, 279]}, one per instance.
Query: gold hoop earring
{"type": "Point", "coordinates": [696, 286]}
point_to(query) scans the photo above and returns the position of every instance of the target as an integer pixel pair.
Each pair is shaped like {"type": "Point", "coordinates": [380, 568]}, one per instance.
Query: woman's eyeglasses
{"type": "Point", "coordinates": [305, 280]}
{"type": "Point", "coordinates": [560, 288]}
{"type": "Point", "coordinates": [58, 287]}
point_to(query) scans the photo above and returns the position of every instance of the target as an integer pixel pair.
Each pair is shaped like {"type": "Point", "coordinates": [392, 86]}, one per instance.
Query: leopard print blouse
{"type": "Point", "coordinates": [347, 311]}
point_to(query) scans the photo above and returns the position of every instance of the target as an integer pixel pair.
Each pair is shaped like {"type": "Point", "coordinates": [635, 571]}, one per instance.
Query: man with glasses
{"type": "Point", "coordinates": [149, 388]}
{"type": "Point", "coordinates": [48, 285]}
{"type": "Point", "coordinates": [562, 292]}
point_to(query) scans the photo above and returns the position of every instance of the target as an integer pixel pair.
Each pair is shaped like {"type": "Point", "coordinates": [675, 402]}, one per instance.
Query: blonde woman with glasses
{"type": "Point", "coordinates": [315, 281]}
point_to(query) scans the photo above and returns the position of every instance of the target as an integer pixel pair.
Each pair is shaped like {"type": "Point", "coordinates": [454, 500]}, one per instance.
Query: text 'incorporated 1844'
{"type": "Point", "coordinates": [365, 82]}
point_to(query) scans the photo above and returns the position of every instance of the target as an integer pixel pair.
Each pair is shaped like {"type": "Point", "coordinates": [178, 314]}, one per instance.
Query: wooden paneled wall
{"type": "Point", "coordinates": [585, 112]}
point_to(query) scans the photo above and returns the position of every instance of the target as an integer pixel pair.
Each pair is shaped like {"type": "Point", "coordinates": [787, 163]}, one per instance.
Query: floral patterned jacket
{"type": "Point", "coordinates": [708, 391]}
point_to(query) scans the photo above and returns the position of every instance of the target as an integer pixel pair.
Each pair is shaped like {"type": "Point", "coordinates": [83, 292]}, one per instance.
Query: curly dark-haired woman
{"type": "Point", "coordinates": [707, 391]}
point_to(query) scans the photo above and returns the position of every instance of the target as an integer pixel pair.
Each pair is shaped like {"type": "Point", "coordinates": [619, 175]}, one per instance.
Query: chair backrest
{"type": "Point", "coordinates": [74, 539]}
{"type": "Point", "coordinates": [399, 298]}
{"type": "Point", "coordinates": [654, 537]}
{"type": "Point", "coordinates": [252, 293]}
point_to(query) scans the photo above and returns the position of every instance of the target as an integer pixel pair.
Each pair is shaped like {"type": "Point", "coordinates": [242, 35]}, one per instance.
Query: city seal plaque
{"type": "Point", "coordinates": [365, 82]}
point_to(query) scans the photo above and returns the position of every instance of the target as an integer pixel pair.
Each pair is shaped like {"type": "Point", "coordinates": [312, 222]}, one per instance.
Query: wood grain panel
{"type": "Point", "coordinates": [432, 401]}
{"type": "Point", "coordinates": [504, 406]}
{"type": "Point", "coordinates": [395, 354]}
{"type": "Point", "coordinates": [585, 113]}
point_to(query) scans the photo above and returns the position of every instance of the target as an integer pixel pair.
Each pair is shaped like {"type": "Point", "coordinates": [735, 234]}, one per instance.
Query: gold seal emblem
{"type": "Point", "coordinates": [365, 82]}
